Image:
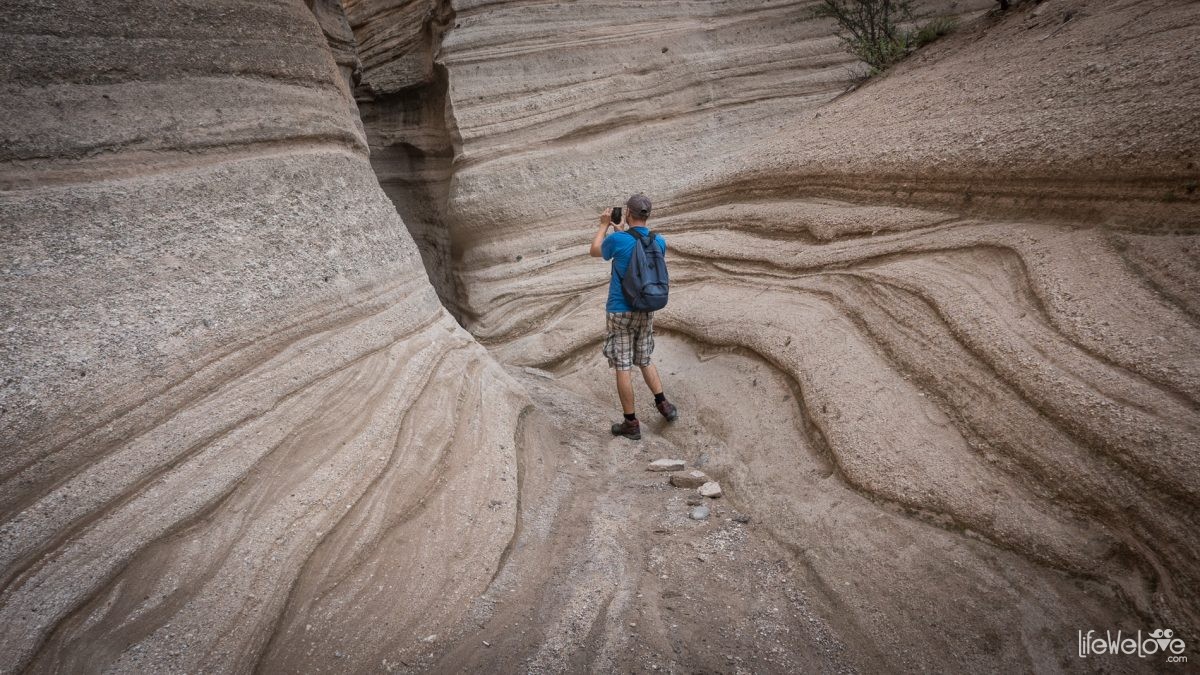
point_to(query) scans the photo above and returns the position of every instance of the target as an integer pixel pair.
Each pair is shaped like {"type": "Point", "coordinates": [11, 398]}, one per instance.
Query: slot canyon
{"type": "Point", "coordinates": [300, 340]}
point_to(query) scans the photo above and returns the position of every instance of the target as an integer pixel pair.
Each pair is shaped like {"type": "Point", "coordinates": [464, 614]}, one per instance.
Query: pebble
{"type": "Point", "coordinates": [690, 479]}
{"type": "Point", "coordinates": [710, 489]}
{"type": "Point", "coordinates": [740, 518]}
{"type": "Point", "coordinates": [666, 465]}
{"type": "Point", "coordinates": [699, 513]}
{"type": "Point", "coordinates": [694, 500]}
{"type": "Point", "coordinates": [539, 372]}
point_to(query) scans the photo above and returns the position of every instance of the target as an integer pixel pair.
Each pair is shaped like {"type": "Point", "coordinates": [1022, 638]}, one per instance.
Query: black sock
{"type": "Point", "coordinates": [630, 416]}
{"type": "Point", "coordinates": [660, 397]}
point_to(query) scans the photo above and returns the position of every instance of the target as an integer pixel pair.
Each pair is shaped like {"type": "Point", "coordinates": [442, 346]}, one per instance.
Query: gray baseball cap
{"type": "Point", "coordinates": [639, 206]}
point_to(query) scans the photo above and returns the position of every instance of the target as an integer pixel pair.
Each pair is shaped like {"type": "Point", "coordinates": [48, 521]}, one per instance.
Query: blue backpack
{"type": "Point", "coordinates": [645, 282]}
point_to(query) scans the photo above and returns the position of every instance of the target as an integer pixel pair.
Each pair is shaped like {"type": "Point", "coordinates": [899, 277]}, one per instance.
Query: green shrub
{"type": "Point", "coordinates": [870, 29]}
{"type": "Point", "coordinates": [931, 31]}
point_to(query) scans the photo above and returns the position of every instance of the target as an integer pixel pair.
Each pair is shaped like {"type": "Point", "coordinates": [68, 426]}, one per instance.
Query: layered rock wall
{"type": "Point", "coordinates": [241, 431]}
{"type": "Point", "coordinates": [230, 395]}
{"type": "Point", "coordinates": [410, 123]}
{"type": "Point", "coordinates": [975, 269]}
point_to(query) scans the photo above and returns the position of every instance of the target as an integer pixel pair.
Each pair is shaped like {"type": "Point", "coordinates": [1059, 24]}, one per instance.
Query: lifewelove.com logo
{"type": "Point", "coordinates": [1157, 642]}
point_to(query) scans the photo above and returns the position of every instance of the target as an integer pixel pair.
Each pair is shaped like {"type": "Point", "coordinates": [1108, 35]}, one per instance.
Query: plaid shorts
{"type": "Point", "coordinates": [630, 339]}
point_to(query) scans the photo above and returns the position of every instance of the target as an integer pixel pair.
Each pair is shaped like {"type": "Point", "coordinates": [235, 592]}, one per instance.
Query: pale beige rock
{"type": "Point", "coordinates": [666, 465]}
{"type": "Point", "coordinates": [969, 282]}
{"type": "Point", "coordinates": [689, 479]}
{"type": "Point", "coordinates": [233, 406]}
{"type": "Point", "coordinates": [954, 310]}
{"type": "Point", "coordinates": [711, 489]}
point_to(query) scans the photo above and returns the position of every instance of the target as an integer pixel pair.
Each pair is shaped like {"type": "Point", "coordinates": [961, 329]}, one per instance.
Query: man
{"type": "Point", "coordinates": [630, 338]}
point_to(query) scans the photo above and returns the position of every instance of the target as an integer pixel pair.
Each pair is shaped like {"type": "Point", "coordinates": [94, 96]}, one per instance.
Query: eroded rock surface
{"type": "Point", "coordinates": [234, 410]}
{"type": "Point", "coordinates": [971, 272]}
{"type": "Point", "coordinates": [937, 335]}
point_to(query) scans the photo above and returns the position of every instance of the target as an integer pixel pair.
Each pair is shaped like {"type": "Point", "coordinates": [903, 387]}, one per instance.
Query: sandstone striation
{"type": "Point", "coordinates": [230, 394]}
{"type": "Point", "coordinates": [969, 274]}
{"type": "Point", "coordinates": [300, 352]}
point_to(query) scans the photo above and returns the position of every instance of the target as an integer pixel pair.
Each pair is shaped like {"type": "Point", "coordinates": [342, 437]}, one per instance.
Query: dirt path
{"type": "Point", "coordinates": [609, 573]}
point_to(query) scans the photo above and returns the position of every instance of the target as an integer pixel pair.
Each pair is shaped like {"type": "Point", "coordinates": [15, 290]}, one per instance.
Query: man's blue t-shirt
{"type": "Point", "coordinates": [618, 247]}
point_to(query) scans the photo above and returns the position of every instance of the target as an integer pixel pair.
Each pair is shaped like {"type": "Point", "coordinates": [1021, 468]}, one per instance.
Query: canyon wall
{"type": "Point", "coordinates": [233, 407]}
{"type": "Point", "coordinates": [937, 332]}
{"type": "Point", "coordinates": [979, 272]}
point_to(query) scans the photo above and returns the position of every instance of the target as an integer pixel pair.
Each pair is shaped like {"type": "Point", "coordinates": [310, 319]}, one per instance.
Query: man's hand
{"type": "Point", "coordinates": [598, 241]}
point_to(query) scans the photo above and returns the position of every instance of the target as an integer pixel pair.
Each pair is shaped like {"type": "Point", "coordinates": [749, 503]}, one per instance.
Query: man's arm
{"type": "Point", "coordinates": [598, 240]}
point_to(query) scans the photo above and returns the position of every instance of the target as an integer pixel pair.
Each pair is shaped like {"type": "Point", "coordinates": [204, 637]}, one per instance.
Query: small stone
{"type": "Point", "coordinates": [666, 465]}
{"type": "Point", "coordinates": [694, 500]}
{"type": "Point", "coordinates": [710, 489]}
{"type": "Point", "coordinates": [429, 638]}
{"type": "Point", "coordinates": [539, 372]}
{"type": "Point", "coordinates": [699, 513]}
{"type": "Point", "coordinates": [486, 643]}
{"type": "Point", "coordinates": [740, 518]}
{"type": "Point", "coordinates": [689, 479]}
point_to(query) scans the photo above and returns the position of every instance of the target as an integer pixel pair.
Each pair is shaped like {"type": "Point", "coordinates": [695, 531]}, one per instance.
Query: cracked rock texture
{"type": "Point", "coordinates": [274, 278]}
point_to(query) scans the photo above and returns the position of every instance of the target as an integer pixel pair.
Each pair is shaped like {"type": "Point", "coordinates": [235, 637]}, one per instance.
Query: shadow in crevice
{"type": "Point", "coordinates": [400, 90]}
{"type": "Point", "coordinates": [412, 153]}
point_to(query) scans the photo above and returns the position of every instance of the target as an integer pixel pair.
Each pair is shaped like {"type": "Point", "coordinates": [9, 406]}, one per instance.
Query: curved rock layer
{"type": "Point", "coordinates": [234, 410]}
{"type": "Point", "coordinates": [937, 336]}
{"type": "Point", "coordinates": [977, 272]}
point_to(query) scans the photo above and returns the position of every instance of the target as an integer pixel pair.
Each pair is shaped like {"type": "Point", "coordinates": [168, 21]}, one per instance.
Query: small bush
{"type": "Point", "coordinates": [870, 29]}
{"type": "Point", "coordinates": [931, 31]}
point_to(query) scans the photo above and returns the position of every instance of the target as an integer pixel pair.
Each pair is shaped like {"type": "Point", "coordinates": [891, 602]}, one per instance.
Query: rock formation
{"type": "Point", "coordinates": [231, 396]}
{"type": "Point", "coordinates": [937, 333]}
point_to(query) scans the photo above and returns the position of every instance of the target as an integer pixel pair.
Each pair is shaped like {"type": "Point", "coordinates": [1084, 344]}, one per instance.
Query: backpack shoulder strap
{"type": "Point", "coordinates": [643, 239]}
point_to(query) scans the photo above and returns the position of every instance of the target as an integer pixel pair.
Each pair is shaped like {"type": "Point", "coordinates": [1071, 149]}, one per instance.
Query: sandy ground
{"type": "Point", "coordinates": [937, 338]}
{"type": "Point", "coordinates": [608, 573]}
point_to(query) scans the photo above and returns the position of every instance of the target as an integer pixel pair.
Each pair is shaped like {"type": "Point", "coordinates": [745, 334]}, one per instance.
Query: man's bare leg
{"type": "Point", "coordinates": [650, 375]}
{"type": "Point", "coordinates": [625, 391]}
{"type": "Point", "coordinates": [668, 409]}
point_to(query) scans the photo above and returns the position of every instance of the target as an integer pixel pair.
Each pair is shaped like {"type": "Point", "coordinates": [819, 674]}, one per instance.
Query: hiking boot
{"type": "Point", "coordinates": [629, 429]}
{"type": "Point", "coordinates": [667, 409]}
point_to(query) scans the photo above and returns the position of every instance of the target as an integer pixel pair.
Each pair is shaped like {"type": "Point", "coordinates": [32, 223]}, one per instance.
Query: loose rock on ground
{"type": "Point", "coordinates": [666, 465]}
{"type": "Point", "coordinates": [689, 479]}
